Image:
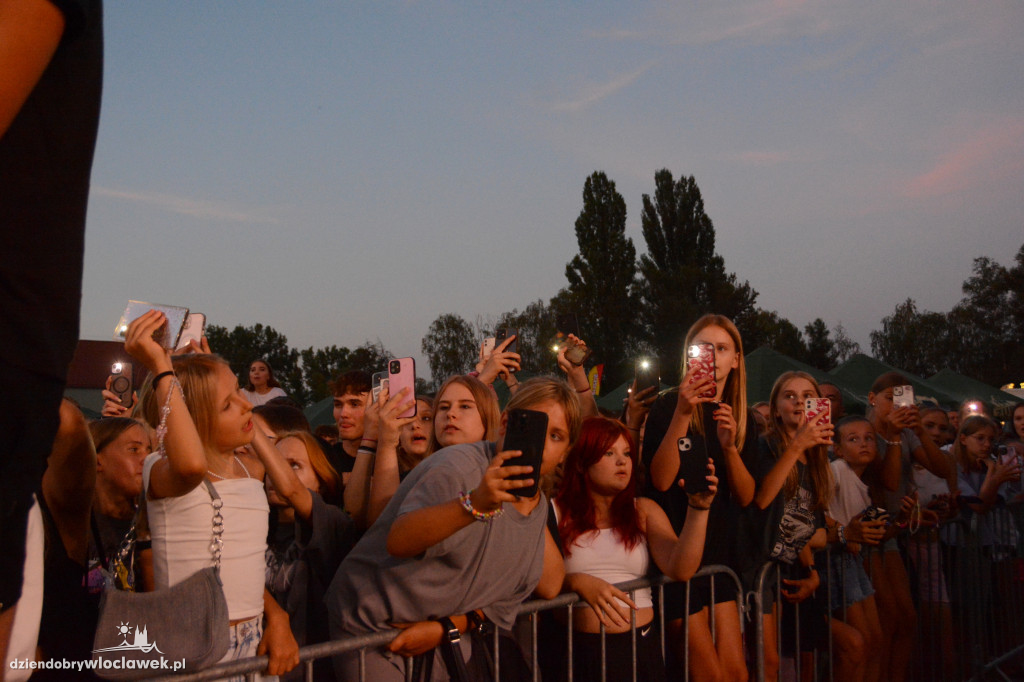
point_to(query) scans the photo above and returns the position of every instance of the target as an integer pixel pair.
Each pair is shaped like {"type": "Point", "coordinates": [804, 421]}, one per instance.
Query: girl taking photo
{"type": "Point", "coordinates": [719, 428]}
{"type": "Point", "coordinates": [204, 420]}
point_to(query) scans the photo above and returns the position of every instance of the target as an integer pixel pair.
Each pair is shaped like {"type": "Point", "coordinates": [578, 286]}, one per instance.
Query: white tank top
{"type": "Point", "coordinates": [181, 528]}
{"type": "Point", "coordinates": [602, 554]}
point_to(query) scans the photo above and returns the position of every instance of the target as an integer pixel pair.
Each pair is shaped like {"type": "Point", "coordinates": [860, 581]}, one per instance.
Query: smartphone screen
{"type": "Point", "coordinates": [647, 375]}
{"type": "Point", "coordinates": [526, 431]}
{"type": "Point", "coordinates": [818, 410]}
{"type": "Point", "coordinates": [693, 466]}
{"type": "Point", "coordinates": [402, 374]}
{"type": "Point", "coordinates": [378, 382]}
{"type": "Point", "coordinates": [700, 360]}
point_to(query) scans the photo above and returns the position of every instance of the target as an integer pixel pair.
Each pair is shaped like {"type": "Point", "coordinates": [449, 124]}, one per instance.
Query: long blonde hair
{"type": "Point", "coordinates": [817, 456]}
{"type": "Point", "coordinates": [197, 375]}
{"type": "Point", "coordinates": [735, 392]}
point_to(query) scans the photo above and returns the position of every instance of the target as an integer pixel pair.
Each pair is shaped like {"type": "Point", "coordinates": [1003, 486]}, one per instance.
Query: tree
{"type": "Point", "coordinates": [602, 276]}
{"type": "Point", "coordinates": [682, 275]}
{"type": "Point", "coordinates": [821, 350]}
{"type": "Point", "coordinates": [322, 365]}
{"type": "Point", "coordinates": [242, 345]}
{"type": "Point", "coordinates": [536, 325]}
{"type": "Point", "coordinates": [768, 328]}
{"type": "Point", "coordinates": [845, 347]}
{"type": "Point", "coordinates": [987, 326]}
{"type": "Point", "coordinates": [917, 342]}
{"type": "Point", "coordinates": [450, 347]}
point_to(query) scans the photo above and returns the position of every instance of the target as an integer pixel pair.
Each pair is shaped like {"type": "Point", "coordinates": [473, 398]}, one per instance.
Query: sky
{"type": "Point", "coordinates": [346, 172]}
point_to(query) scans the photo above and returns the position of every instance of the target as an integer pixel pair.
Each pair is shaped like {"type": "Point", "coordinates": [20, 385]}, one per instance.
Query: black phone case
{"type": "Point", "coordinates": [527, 431]}
{"type": "Point", "coordinates": [693, 466]}
{"type": "Point", "coordinates": [502, 333]}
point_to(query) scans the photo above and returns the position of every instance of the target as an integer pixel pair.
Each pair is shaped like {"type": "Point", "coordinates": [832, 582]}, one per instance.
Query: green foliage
{"type": "Point", "coordinates": [536, 325]}
{"type": "Point", "coordinates": [845, 347]}
{"type": "Point", "coordinates": [450, 347]}
{"type": "Point", "coordinates": [768, 328]}
{"type": "Point", "coordinates": [602, 287]}
{"type": "Point", "coordinates": [915, 341]}
{"type": "Point", "coordinates": [821, 349]}
{"type": "Point", "coordinates": [322, 365]}
{"type": "Point", "coordinates": [682, 275]}
{"type": "Point", "coordinates": [242, 345]}
{"type": "Point", "coordinates": [980, 337]}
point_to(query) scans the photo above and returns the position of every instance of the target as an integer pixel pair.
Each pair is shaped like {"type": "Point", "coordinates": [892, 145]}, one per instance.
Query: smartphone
{"type": "Point", "coordinates": [873, 513]}
{"type": "Point", "coordinates": [647, 375]}
{"type": "Point", "coordinates": [818, 410]}
{"type": "Point", "coordinates": [167, 335]}
{"type": "Point", "coordinates": [693, 467]}
{"type": "Point", "coordinates": [568, 324]}
{"type": "Point", "coordinates": [402, 374]}
{"type": "Point", "coordinates": [576, 353]}
{"type": "Point", "coordinates": [526, 431]}
{"type": "Point", "coordinates": [487, 347]}
{"type": "Point", "coordinates": [902, 396]}
{"type": "Point", "coordinates": [121, 382]}
{"type": "Point", "coordinates": [503, 333]}
{"type": "Point", "coordinates": [192, 330]}
{"type": "Point", "coordinates": [700, 360]}
{"type": "Point", "coordinates": [378, 382]}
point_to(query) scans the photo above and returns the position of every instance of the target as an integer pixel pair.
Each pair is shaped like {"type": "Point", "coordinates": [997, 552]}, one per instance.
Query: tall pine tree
{"type": "Point", "coordinates": [682, 275]}
{"type": "Point", "coordinates": [602, 278]}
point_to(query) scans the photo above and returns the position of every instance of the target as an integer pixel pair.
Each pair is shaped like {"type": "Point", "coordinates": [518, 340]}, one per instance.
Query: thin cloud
{"type": "Point", "coordinates": [986, 155]}
{"type": "Point", "coordinates": [596, 93]}
{"type": "Point", "coordinates": [758, 158]}
{"type": "Point", "coordinates": [210, 210]}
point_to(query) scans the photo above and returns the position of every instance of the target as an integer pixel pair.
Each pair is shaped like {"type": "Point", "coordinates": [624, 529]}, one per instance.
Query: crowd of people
{"type": "Point", "coordinates": [419, 525]}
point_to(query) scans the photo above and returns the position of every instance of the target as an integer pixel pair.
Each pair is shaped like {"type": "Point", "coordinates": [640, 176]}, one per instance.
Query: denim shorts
{"type": "Point", "coordinates": [847, 580]}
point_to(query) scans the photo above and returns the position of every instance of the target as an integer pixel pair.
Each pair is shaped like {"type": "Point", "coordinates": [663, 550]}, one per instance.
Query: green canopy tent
{"type": "Point", "coordinates": [765, 365]}
{"type": "Point", "coordinates": [860, 371]}
{"type": "Point", "coordinates": [965, 388]}
{"type": "Point", "coordinates": [321, 413]}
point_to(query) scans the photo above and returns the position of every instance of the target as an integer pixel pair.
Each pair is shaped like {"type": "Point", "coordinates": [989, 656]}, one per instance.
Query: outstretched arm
{"type": "Point", "coordinates": [30, 31]}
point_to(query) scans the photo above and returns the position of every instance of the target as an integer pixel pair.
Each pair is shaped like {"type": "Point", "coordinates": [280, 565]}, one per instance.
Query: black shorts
{"type": "Point", "coordinates": [28, 424]}
{"type": "Point", "coordinates": [700, 595]}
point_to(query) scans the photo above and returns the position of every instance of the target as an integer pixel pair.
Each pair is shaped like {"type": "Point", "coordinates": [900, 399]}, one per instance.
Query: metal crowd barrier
{"type": "Point", "coordinates": [966, 581]}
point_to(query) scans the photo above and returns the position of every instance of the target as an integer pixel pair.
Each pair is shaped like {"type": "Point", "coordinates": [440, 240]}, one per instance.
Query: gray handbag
{"type": "Point", "coordinates": [180, 629]}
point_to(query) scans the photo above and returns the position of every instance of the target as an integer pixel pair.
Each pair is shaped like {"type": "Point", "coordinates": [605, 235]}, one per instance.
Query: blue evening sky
{"type": "Point", "coordinates": [349, 171]}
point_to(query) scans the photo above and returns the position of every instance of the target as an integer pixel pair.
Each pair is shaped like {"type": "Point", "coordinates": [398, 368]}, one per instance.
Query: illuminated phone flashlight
{"type": "Point", "coordinates": [555, 348]}
{"type": "Point", "coordinates": [973, 407]}
{"type": "Point", "coordinates": [116, 368]}
{"type": "Point", "coordinates": [645, 364]}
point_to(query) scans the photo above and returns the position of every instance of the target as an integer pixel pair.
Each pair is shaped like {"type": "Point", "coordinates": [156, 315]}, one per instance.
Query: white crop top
{"type": "Point", "coordinates": [602, 554]}
{"type": "Point", "coordinates": [181, 528]}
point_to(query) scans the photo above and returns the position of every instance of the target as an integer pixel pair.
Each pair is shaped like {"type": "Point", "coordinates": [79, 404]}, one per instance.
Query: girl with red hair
{"type": "Point", "coordinates": [609, 536]}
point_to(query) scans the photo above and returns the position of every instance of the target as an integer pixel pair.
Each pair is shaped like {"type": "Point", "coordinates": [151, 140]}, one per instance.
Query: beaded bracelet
{"type": "Point", "coordinates": [467, 504]}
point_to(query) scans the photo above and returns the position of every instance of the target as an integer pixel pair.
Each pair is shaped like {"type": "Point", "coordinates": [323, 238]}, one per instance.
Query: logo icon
{"type": "Point", "coordinates": [140, 641]}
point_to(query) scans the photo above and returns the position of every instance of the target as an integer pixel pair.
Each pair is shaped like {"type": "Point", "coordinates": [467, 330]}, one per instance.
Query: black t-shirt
{"type": "Point", "coordinates": [45, 164]}
{"type": "Point", "coordinates": [787, 523]}
{"type": "Point", "coordinates": [720, 543]}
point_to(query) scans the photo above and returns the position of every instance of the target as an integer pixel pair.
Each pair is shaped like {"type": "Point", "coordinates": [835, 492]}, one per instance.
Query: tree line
{"type": "Point", "coordinates": [629, 307]}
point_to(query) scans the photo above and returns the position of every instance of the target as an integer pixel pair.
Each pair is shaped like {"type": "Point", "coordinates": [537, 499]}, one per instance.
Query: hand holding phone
{"type": "Point", "coordinates": [693, 467]}
{"type": "Point", "coordinates": [166, 334]}
{"type": "Point", "coordinates": [193, 330]}
{"type": "Point", "coordinates": [526, 431]}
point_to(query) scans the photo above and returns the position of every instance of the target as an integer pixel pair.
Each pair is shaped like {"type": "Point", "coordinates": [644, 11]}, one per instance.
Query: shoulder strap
{"type": "Point", "coordinates": [217, 541]}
